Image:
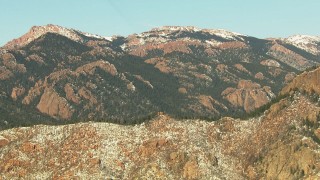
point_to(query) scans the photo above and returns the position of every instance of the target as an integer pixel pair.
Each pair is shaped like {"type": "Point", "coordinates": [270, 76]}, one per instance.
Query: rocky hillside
{"type": "Point", "coordinates": [283, 143]}
{"type": "Point", "coordinates": [52, 74]}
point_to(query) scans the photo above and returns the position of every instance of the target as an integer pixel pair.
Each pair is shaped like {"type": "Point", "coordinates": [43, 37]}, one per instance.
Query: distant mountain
{"type": "Point", "coordinates": [54, 73]}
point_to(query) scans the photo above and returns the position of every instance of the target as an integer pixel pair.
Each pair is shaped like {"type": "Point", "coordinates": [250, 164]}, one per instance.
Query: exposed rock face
{"type": "Point", "coordinates": [70, 94]}
{"type": "Point", "coordinates": [10, 62]}
{"type": "Point", "coordinates": [183, 90]}
{"type": "Point", "coordinates": [259, 76]}
{"type": "Point", "coordinates": [207, 101]}
{"type": "Point", "coordinates": [242, 68]}
{"type": "Point", "coordinates": [285, 161]}
{"type": "Point", "coordinates": [91, 67]}
{"type": "Point", "coordinates": [17, 92]}
{"type": "Point", "coordinates": [160, 63]}
{"type": "Point", "coordinates": [248, 95]}
{"type": "Point", "coordinates": [289, 77]}
{"type": "Point", "coordinates": [307, 81]}
{"type": "Point", "coordinates": [5, 73]}
{"type": "Point", "coordinates": [34, 92]}
{"type": "Point", "coordinates": [270, 62]}
{"type": "Point", "coordinates": [54, 105]}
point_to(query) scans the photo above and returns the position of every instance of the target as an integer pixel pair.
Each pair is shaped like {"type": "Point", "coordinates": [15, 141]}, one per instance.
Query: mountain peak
{"type": "Point", "coordinates": [37, 31]}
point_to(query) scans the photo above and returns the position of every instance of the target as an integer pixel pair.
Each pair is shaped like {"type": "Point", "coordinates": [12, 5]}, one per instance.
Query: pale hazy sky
{"type": "Point", "coordinates": [260, 18]}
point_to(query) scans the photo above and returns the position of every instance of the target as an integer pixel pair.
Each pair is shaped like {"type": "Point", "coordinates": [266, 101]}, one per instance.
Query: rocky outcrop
{"type": "Point", "coordinates": [240, 67]}
{"type": "Point", "coordinates": [5, 73]}
{"type": "Point", "coordinates": [308, 82]}
{"type": "Point", "coordinates": [270, 63]}
{"type": "Point", "coordinates": [160, 63]}
{"type": "Point", "coordinates": [70, 94]}
{"type": "Point", "coordinates": [33, 92]}
{"type": "Point", "coordinates": [90, 68]}
{"type": "Point", "coordinates": [289, 77]}
{"type": "Point", "coordinates": [259, 76]}
{"type": "Point", "coordinates": [87, 94]}
{"type": "Point", "coordinates": [17, 92]}
{"type": "Point", "coordinates": [54, 105]}
{"type": "Point", "coordinates": [35, 58]}
{"type": "Point", "coordinates": [10, 62]}
{"type": "Point", "coordinates": [248, 95]}
{"type": "Point", "coordinates": [208, 102]}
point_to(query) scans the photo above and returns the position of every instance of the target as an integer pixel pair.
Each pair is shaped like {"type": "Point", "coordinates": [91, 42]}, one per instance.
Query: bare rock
{"type": "Point", "coordinates": [248, 95]}
{"type": "Point", "coordinates": [86, 94]}
{"type": "Point", "coordinates": [182, 90]}
{"type": "Point", "coordinates": [148, 148]}
{"type": "Point", "coordinates": [160, 63]}
{"type": "Point", "coordinates": [70, 94]}
{"type": "Point", "coordinates": [34, 92]}
{"type": "Point", "coordinates": [289, 77]}
{"type": "Point", "coordinates": [10, 62]}
{"type": "Point", "coordinates": [5, 73]}
{"type": "Point", "coordinates": [35, 58]}
{"type": "Point", "coordinates": [3, 141]}
{"type": "Point", "coordinates": [131, 87]}
{"type": "Point", "coordinates": [259, 76]}
{"type": "Point", "coordinates": [54, 105]}
{"type": "Point", "coordinates": [307, 81]}
{"type": "Point", "coordinates": [90, 68]}
{"type": "Point", "coordinates": [270, 63]}
{"type": "Point", "coordinates": [17, 92]}
{"type": "Point", "coordinates": [240, 67]}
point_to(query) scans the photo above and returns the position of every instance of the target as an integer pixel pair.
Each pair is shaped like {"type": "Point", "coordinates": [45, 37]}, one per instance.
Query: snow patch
{"type": "Point", "coordinates": [97, 36]}
{"type": "Point", "coordinates": [226, 34]}
{"type": "Point", "coordinates": [305, 42]}
{"type": "Point", "coordinates": [213, 42]}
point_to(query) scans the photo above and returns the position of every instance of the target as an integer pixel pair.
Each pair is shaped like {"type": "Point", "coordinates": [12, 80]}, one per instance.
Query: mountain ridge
{"type": "Point", "coordinates": [62, 30]}
{"type": "Point", "coordinates": [182, 71]}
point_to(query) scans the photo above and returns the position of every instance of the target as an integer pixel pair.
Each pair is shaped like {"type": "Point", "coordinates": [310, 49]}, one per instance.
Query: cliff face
{"type": "Point", "coordinates": [248, 95]}
{"type": "Point", "coordinates": [308, 81]}
{"type": "Point", "coordinates": [182, 71]}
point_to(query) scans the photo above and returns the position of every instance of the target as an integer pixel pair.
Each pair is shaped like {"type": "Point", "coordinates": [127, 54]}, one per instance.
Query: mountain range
{"type": "Point", "coordinates": [171, 103]}
{"type": "Point", "coordinates": [54, 74]}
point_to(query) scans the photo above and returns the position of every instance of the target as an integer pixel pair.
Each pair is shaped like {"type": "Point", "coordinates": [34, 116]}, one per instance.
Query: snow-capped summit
{"type": "Point", "coordinates": [305, 42]}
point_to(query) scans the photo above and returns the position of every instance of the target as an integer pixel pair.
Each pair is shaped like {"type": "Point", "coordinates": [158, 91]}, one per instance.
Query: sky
{"type": "Point", "coordinates": [259, 18]}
